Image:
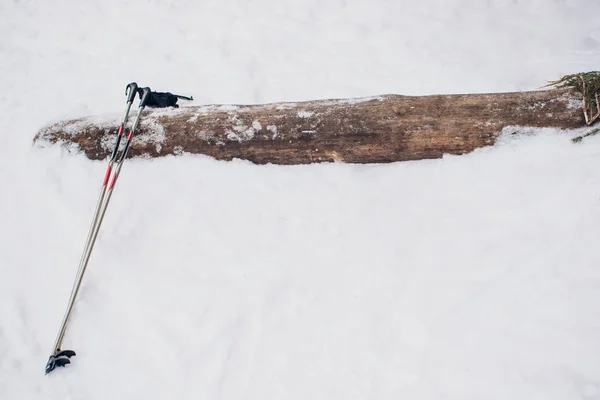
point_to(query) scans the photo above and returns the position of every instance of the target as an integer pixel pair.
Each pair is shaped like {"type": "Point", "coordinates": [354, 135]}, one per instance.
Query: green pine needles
{"type": "Point", "coordinates": [590, 133]}
{"type": "Point", "coordinates": [588, 84]}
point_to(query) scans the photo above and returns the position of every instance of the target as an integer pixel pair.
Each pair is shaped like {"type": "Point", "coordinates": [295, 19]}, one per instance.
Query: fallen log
{"type": "Point", "coordinates": [379, 129]}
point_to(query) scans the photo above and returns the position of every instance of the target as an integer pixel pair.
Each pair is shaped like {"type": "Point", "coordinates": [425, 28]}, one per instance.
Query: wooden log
{"type": "Point", "coordinates": [380, 129]}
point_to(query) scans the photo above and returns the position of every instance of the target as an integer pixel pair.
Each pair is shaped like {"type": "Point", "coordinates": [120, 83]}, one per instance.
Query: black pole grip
{"type": "Point", "coordinates": [144, 96]}
{"type": "Point", "coordinates": [130, 91]}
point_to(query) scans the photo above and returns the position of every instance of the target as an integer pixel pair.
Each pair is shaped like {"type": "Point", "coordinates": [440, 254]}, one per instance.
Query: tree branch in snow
{"type": "Point", "coordinates": [380, 129]}
{"type": "Point", "coordinates": [588, 84]}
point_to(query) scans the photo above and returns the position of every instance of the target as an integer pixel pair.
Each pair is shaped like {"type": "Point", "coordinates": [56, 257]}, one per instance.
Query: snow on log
{"type": "Point", "coordinates": [379, 129]}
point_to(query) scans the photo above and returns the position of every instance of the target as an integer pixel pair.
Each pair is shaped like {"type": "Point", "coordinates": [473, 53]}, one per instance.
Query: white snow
{"type": "Point", "coordinates": [273, 130]}
{"type": "Point", "coordinates": [468, 277]}
{"type": "Point", "coordinates": [305, 114]}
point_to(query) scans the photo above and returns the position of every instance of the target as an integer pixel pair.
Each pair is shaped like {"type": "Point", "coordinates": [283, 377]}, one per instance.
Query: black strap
{"type": "Point", "coordinates": [163, 99]}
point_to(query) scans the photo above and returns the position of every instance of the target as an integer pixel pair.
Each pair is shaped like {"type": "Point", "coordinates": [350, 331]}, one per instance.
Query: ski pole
{"type": "Point", "coordinates": [117, 170]}
{"type": "Point", "coordinates": [130, 92]}
{"type": "Point", "coordinates": [62, 357]}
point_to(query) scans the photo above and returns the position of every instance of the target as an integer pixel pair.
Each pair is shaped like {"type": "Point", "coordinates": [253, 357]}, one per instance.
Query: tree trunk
{"type": "Point", "coordinates": [368, 130]}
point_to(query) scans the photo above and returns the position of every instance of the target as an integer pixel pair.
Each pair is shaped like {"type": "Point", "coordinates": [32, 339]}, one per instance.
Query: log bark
{"type": "Point", "coordinates": [380, 129]}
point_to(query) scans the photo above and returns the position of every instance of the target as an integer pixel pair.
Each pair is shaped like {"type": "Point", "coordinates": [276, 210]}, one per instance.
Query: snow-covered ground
{"type": "Point", "coordinates": [473, 277]}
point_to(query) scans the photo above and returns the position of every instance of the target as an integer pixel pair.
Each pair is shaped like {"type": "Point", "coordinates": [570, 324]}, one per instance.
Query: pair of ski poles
{"type": "Point", "coordinates": [60, 357]}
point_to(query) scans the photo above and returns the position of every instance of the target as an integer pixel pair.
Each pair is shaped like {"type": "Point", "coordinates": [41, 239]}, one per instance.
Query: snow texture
{"type": "Point", "coordinates": [468, 277]}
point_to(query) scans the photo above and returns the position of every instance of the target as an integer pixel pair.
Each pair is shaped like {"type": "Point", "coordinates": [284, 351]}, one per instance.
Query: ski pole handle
{"type": "Point", "coordinates": [130, 91]}
{"type": "Point", "coordinates": [144, 95]}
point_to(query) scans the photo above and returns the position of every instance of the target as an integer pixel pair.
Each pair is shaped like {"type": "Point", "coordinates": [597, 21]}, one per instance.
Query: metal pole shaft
{"type": "Point", "coordinates": [104, 185]}
{"type": "Point", "coordinates": [93, 231]}
{"type": "Point", "coordinates": [102, 213]}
